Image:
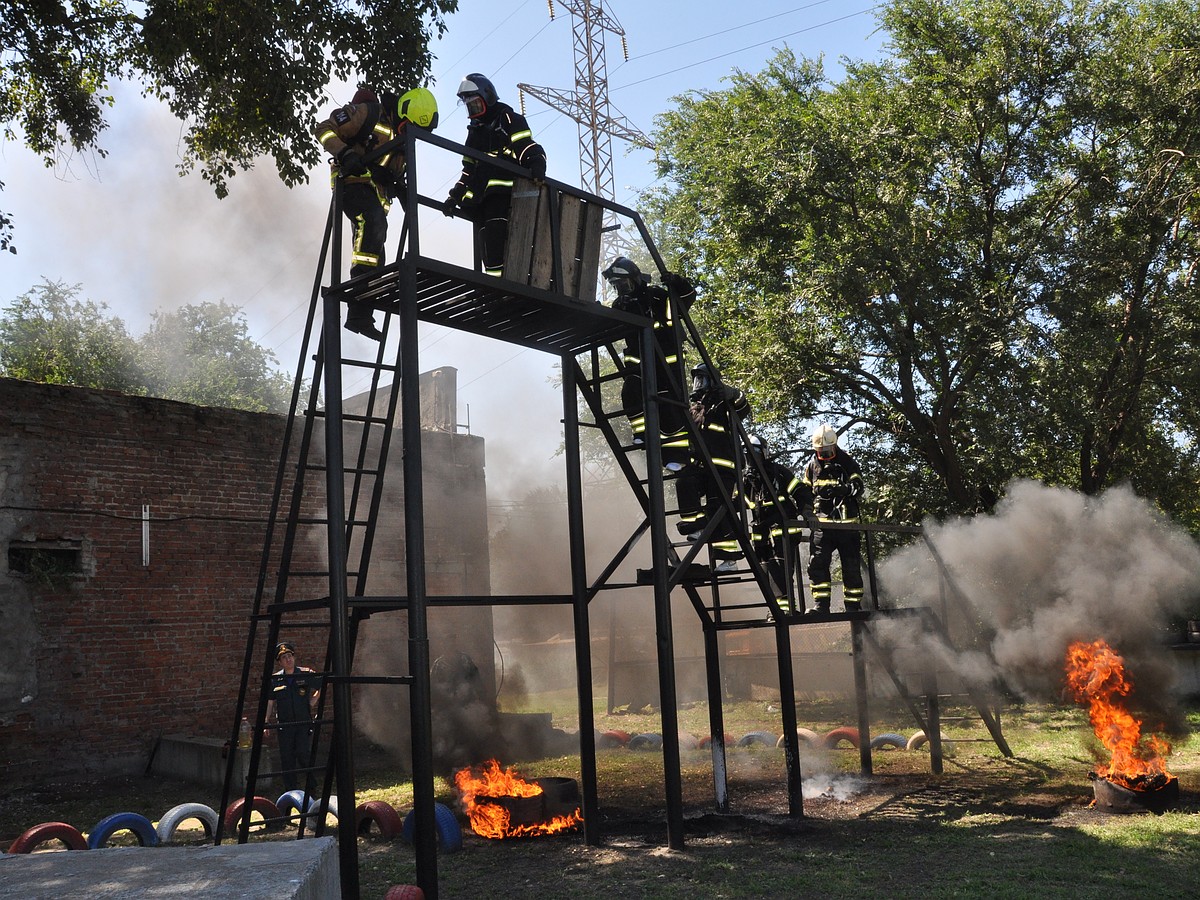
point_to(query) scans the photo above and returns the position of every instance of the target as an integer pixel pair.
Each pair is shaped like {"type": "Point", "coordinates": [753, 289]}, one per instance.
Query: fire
{"type": "Point", "coordinates": [1096, 673]}
{"type": "Point", "coordinates": [490, 819]}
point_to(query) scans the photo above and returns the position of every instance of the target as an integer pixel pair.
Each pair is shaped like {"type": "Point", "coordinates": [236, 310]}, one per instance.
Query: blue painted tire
{"type": "Point", "coordinates": [293, 801]}
{"type": "Point", "coordinates": [753, 738]}
{"type": "Point", "coordinates": [646, 742]}
{"type": "Point", "coordinates": [449, 832]}
{"type": "Point", "coordinates": [889, 739]}
{"type": "Point", "coordinates": [177, 815]}
{"type": "Point", "coordinates": [142, 828]}
{"type": "Point", "coordinates": [48, 831]}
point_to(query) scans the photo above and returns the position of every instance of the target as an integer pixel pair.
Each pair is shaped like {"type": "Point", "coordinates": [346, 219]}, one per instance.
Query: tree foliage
{"type": "Point", "coordinates": [246, 78]}
{"type": "Point", "coordinates": [980, 250]}
{"type": "Point", "coordinates": [199, 354]}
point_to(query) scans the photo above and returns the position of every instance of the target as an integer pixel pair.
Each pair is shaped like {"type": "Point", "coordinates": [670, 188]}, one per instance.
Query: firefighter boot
{"type": "Point", "coordinates": [361, 320]}
{"type": "Point", "coordinates": [818, 612]}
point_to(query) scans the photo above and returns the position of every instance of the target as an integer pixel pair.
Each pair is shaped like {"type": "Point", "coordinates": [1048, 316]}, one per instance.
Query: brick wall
{"type": "Point", "coordinates": [95, 665]}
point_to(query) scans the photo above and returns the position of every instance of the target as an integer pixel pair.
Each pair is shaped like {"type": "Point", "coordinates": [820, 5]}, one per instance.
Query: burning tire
{"type": "Point", "coordinates": [449, 832]}
{"type": "Point", "coordinates": [805, 736]}
{"type": "Point", "coordinates": [383, 814]}
{"type": "Point", "coordinates": [174, 817]}
{"type": "Point", "coordinates": [261, 805]}
{"type": "Point", "coordinates": [756, 738]}
{"type": "Point", "coordinates": [837, 735]}
{"type": "Point", "coordinates": [142, 828]}
{"type": "Point", "coordinates": [646, 742]}
{"type": "Point", "coordinates": [48, 831]}
{"type": "Point", "coordinates": [889, 739]}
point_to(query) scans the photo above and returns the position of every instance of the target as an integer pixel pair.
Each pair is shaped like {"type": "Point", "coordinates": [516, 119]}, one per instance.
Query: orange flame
{"type": "Point", "coordinates": [1096, 673]}
{"type": "Point", "coordinates": [492, 820]}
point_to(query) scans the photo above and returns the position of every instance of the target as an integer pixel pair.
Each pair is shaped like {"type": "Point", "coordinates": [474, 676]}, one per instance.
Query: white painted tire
{"type": "Point", "coordinates": [177, 815]}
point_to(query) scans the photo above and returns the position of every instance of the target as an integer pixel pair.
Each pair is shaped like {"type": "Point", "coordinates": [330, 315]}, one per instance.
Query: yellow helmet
{"type": "Point", "coordinates": [418, 106]}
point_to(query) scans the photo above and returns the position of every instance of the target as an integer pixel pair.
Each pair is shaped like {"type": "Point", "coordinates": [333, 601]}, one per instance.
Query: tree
{"type": "Point", "coordinates": [246, 78]}
{"type": "Point", "coordinates": [980, 250]}
{"type": "Point", "coordinates": [47, 335]}
{"type": "Point", "coordinates": [203, 354]}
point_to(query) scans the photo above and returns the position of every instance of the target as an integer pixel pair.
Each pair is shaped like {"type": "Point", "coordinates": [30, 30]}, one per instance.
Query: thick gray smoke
{"type": "Point", "coordinates": [1051, 567]}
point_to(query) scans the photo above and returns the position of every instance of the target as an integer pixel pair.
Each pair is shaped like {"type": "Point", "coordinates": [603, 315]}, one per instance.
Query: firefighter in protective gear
{"type": "Point", "coordinates": [835, 481]}
{"type": "Point", "coordinates": [348, 135]}
{"type": "Point", "coordinates": [715, 409]}
{"type": "Point", "coordinates": [662, 306]}
{"type": "Point", "coordinates": [484, 192]}
{"type": "Point", "coordinates": [775, 495]}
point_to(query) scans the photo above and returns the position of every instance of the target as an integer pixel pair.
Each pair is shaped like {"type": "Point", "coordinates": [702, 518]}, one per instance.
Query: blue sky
{"type": "Point", "coordinates": [139, 238]}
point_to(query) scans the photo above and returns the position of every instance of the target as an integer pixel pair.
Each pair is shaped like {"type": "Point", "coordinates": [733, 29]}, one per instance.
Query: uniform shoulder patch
{"type": "Point", "coordinates": [342, 116]}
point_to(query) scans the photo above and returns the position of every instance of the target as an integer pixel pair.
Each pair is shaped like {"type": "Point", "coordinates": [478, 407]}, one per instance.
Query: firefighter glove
{"type": "Point", "coordinates": [538, 169]}
{"type": "Point", "coordinates": [449, 206]}
{"type": "Point", "coordinates": [352, 163]}
{"type": "Point", "coordinates": [677, 283]}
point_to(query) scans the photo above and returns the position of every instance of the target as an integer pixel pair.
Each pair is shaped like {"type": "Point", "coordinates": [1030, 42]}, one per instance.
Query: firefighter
{"type": "Point", "coordinates": [484, 192]}
{"type": "Point", "coordinates": [836, 485]}
{"type": "Point", "coordinates": [348, 135]}
{"type": "Point", "coordinates": [293, 704]}
{"type": "Point", "coordinates": [715, 409]}
{"type": "Point", "coordinates": [775, 496]}
{"type": "Point", "coordinates": [636, 295]}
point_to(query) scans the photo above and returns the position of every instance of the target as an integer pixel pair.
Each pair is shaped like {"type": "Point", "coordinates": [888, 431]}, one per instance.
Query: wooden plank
{"type": "Point", "coordinates": [589, 253]}
{"type": "Point", "coordinates": [542, 270]}
{"type": "Point", "coordinates": [570, 218]}
{"type": "Point", "coordinates": [522, 226]}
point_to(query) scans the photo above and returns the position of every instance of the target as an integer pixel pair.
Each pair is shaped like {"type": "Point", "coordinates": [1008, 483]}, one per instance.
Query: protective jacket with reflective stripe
{"type": "Point", "coordinates": [503, 132]}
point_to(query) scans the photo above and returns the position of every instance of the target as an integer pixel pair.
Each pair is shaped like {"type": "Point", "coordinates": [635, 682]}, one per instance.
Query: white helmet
{"type": "Point", "coordinates": [824, 441]}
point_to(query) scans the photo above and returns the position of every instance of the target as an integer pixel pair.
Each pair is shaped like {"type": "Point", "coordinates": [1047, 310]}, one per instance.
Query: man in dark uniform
{"type": "Point", "coordinates": [350, 133]}
{"type": "Point", "coordinates": [293, 704]}
{"type": "Point", "coordinates": [483, 192]}
{"type": "Point", "coordinates": [835, 480]}
{"type": "Point", "coordinates": [636, 295]}
{"type": "Point", "coordinates": [714, 406]}
{"type": "Point", "coordinates": [775, 495]}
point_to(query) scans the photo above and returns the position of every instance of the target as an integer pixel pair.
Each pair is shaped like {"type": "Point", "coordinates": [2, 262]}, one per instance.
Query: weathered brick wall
{"type": "Point", "coordinates": [93, 667]}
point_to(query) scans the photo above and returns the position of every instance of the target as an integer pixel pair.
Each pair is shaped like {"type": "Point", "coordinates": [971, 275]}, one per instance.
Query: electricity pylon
{"type": "Point", "coordinates": [598, 120]}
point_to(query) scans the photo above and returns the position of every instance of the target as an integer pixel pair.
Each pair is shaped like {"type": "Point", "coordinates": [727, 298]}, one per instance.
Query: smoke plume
{"type": "Point", "coordinates": [1050, 567]}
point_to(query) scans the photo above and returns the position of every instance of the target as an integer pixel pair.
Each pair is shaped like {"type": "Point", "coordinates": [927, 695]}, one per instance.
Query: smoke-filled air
{"type": "Point", "coordinates": [1050, 567]}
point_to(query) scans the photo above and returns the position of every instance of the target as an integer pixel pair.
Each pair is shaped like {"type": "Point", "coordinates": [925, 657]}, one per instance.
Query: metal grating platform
{"type": "Point", "coordinates": [496, 308]}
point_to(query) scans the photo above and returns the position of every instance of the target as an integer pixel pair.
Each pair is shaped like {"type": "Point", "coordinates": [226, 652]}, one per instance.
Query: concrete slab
{"type": "Point", "coordinates": [272, 870]}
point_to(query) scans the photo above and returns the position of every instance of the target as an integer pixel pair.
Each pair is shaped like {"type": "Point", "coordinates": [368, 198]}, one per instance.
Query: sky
{"type": "Point", "coordinates": [138, 237]}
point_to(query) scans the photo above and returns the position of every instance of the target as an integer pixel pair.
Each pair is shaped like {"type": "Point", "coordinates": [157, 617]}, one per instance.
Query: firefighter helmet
{"type": "Point", "coordinates": [757, 444]}
{"type": "Point", "coordinates": [478, 93]}
{"type": "Point", "coordinates": [824, 441]}
{"type": "Point", "coordinates": [624, 275]}
{"type": "Point", "coordinates": [418, 106]}
{"type": "Point", "coordinates": [703, 379]}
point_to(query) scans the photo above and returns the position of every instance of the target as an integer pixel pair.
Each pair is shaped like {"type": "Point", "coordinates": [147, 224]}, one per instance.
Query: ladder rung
{"type": "Point", "coordinates": [369, 364]}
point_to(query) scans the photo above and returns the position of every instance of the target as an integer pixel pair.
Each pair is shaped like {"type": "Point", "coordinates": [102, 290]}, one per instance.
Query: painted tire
{"type": "Point", "coordinates": [293, 801]}
{"type": "Point", "coordinates": [261, 805]}
{"type": "Point", "coordinates": [917, 740]}
{"type": "Point", "coordinates": [314, 807]}
{"type": "Point", "coordinates": [609, 740]}
{"type": "Point", "coordinates": [382, 814]}
{"type": "Point", "coordinates": [449, 832]}
{"type": "Point", "coordinates": [645, 742]}
{"type": "Point", "coordinates": [142, 828]}
{"type": "Point", "coordinates": [706, 741]}
{"type": "Point", "coordinates": [805, 736]}
{"type": "Point", "coordinates": [765, 738]}
{"type": "Point", "coordinates": [48, 831]}
{"type": "Point", "coordinates": [688, 741]}
{"type": "Point", "coordinates": [837, 735]}
{"type": "Point", "coordinates": [174, 817]}
{"type": "Point", "coordinates": [621, 737]}
{"type": "Point", "coordinates": [889, 739]}
{"type": "Point", "coordinates": [404, 892]}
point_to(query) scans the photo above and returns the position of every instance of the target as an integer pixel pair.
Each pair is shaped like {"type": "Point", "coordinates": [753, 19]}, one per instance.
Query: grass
{"type": "Point", "coordinates": [988, 826]}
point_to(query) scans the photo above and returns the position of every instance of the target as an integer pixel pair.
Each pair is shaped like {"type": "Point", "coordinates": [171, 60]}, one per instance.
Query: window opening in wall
{"type": "Point", "coordinates": [47, 560]}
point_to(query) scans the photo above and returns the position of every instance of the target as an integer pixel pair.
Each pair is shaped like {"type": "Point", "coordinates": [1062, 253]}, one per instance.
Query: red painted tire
{"type": "Point", "coordinates": [404, 892]}
{"type": "Point", "coordinates": [142, 828]}
{"type": "Point", "coordinates": [706, 741]}
{"type": "Point", "coordinates": [384, 815]}
{"type": "Point", "coordinates": [261, 805]}
{"type": "Point", "coordinates": [805, 736]}
{"type": "Point", "coordinates": [48, 831]}
{"type": "Point", "coordinates": [837, 735]}
{"type": "Point", "coordinates": [177, 815]}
